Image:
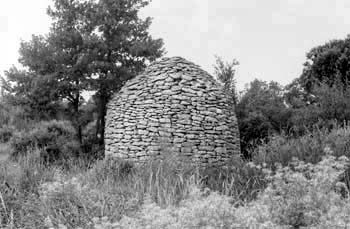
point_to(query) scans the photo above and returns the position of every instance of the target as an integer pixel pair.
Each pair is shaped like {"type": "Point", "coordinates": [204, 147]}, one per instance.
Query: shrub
{"type": "Point", "coordinates": [308, 148]}
{"type": "Point", "coordinates": [19, 188]}
{"type": "Point", "coordinates": [55, 138]}
{"type": "Point", "coordinates": [198, 210]}
{"type": "Point", "coordinates": [261, 111]}
{"type": "Point", "coordinates": [91, 146]}
{"type": "Point", "coordinates": [111, 170]}
{"type": "Point", "coordinates": [171, 194]}
{"type": "Point", "coordinates": [111, 189]}
{"type": "Point", "coordinates": [237, 179]}
{"type": "Point", "coordinates": [6, 133]}
{"type": "Point", "coordinates": [301, 196]}
{"type": "Point", "coordinates": [305, 195]}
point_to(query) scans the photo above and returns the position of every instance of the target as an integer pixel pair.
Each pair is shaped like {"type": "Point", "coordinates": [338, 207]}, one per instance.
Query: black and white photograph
{"type": "Point", "coordinates": [175, 114]}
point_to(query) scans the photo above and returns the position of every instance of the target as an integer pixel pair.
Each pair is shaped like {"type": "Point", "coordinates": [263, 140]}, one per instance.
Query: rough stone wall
{"type": "Point", "coordinates": [174, 104]}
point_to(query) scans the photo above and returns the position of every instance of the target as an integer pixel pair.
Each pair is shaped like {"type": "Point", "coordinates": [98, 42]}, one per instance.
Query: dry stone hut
{"type": "Point", "coordinates": [176, 104]}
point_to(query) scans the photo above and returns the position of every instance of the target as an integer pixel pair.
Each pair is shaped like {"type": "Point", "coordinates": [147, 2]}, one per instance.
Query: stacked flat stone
{"type": "Point", "coordinates": [176, 106]}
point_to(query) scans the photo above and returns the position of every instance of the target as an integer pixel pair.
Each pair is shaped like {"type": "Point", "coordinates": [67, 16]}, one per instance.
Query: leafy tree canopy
{"type": "Point", "coordinates": [327, 63]}
{"type": "Point", "coordinates": [261, 111]}
{"type": "Point", "coordinates": [92, 45]}
{"type": "Point", "coordinates": [225, 73]}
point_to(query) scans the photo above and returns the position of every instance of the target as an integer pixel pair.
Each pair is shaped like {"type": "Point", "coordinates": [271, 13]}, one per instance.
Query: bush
{"type": "Point", "coordinates": [237, 180]}
{"type": "Point", "coordinates": [200, 209]}
{"type": "Point", "coordinates": [261, 111]}
{"type": "Point", "coordinates": [301, 196]}
{"type": "Point", "coordinates": [55, 138]}
{"type": "Point", "coordinates": [91, 146]}
{"type": "Point", "coordinates": [306, 195]}
{"type": "Point", "coordinates": [19, 187]}
{"type": "Point", "coordinates": [308, 148]}
{"type": "Point", "coordinates": [6, 133]}
{"type": "Point", "coordinates": [101, 196]}
{"type": "Point", "coordinates": [323, 106]}
{"type": "Point", "coordinates": [170, 194]}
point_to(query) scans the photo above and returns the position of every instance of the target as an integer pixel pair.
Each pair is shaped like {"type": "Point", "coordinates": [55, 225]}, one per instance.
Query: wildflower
{"type": "Point", "coordinates": [251, 164]}
{"type": "Point", "coordinates": [328, 150]}
{"type": "Point", "coordinates": [48, 222]}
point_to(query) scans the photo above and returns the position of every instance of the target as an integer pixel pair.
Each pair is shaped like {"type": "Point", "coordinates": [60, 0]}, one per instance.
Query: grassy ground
{"type": "Point", "coordinates": [163, 195]}
{"type": "Point", "coordinates": [4, 151]}
{"type": "Point", "coordinates": [270, 193]}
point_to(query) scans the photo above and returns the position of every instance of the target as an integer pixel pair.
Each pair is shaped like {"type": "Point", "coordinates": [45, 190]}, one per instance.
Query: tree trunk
{"type": "Point", "coordinates": [100, 127]}
{"type": "Point", "coordinates": [77, 121]}
{"type": "Point", "coordinates": [80, 134]}
{"type": "Point", "coordinates": [77, 115]}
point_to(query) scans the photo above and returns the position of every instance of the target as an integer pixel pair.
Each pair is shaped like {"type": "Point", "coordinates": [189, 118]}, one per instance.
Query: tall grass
{"type": "Point", "coordinates": [308, 148]}
{"type": "Point", "coordinates": [110, 193]}
{"type": "Point", "coordinates": [302, 196]}
{"type": "Point", "coordinates": [5, 151]}
{"type": "Point", "coordinates": [34, 192]}
{"type": "Point", "coordinates": [19, 188]}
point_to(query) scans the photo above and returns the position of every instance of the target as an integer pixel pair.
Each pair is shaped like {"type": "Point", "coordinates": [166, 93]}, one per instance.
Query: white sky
{"type": "Point", "coordinates": [269, 38]}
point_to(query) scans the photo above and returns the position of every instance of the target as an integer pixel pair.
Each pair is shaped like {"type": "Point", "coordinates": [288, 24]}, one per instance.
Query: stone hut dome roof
{"type": "Point", "coordinates": [176, 105]}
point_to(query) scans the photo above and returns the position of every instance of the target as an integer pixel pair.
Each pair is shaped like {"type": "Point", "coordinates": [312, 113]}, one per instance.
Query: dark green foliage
{"type": "Point", "coordinates": [238, 179]}
{"type": "Point", "coordinates": [25, 100]}
{"type": "Point", "coordinates": [6, 133]}
{"type": "Point", "coordinates": [318, 99]}
{"type": "Point", "coordinates": [261, 111]}
{"type": "Point", "coordinates": [327, 63]}
{"type": "Point", "coordinates": [225, 72]}
{"type": "Point", "coordinates": [332, 102]}
{"type": "Point", "coordinates": [324, 107]}
{"type": "Point", "coordinates": [269, 109]}
{"type": "Point", "coordinates": [12, 116]}
{"type": "Point", "coordinates": [92, 46]}
{"type": "Point", "coordinates": [309, 148]}
{"type": "Point", "coordinates": [55, 138]}
{"type": "Point", "coordinates": [36, 94]}
{"type": "Point", "coordinates": [56, 62]}
{"type": "Point", "coordinates": [90, 146]}
{"type": "Point", "coordinates": [113, 45]}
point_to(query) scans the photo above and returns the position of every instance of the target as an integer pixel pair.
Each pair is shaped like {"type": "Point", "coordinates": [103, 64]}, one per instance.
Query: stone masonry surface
{"type": "Point", "coordinates": [175, 106]}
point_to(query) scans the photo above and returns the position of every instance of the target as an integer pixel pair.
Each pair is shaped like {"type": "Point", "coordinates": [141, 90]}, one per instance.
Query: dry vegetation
{"type": "Point", "coordinates": [267, 192]}
{"type": "Point", "coordinates": [295, 173]}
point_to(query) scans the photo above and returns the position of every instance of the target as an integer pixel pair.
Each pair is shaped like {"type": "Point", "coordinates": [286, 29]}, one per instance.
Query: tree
{"type": "Point", "coordinates": [54, 62]}
{"type": "Point", "coordinates": [92, 45]}
{"type": "Point", "coordinates": [319, 96]}
{"type": "Point", "coordinates": [323, 107]}
{"type": "Point", "coordinates": [118, 44]}
{"type": "Point", "coordinates": [261, 111]}
{"type": "Point", "coordinates": [225, 73]}
{"type": "Point", "coordinates": [327, 63]}
{"type": "Point", "coordinates": [36, 95]}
